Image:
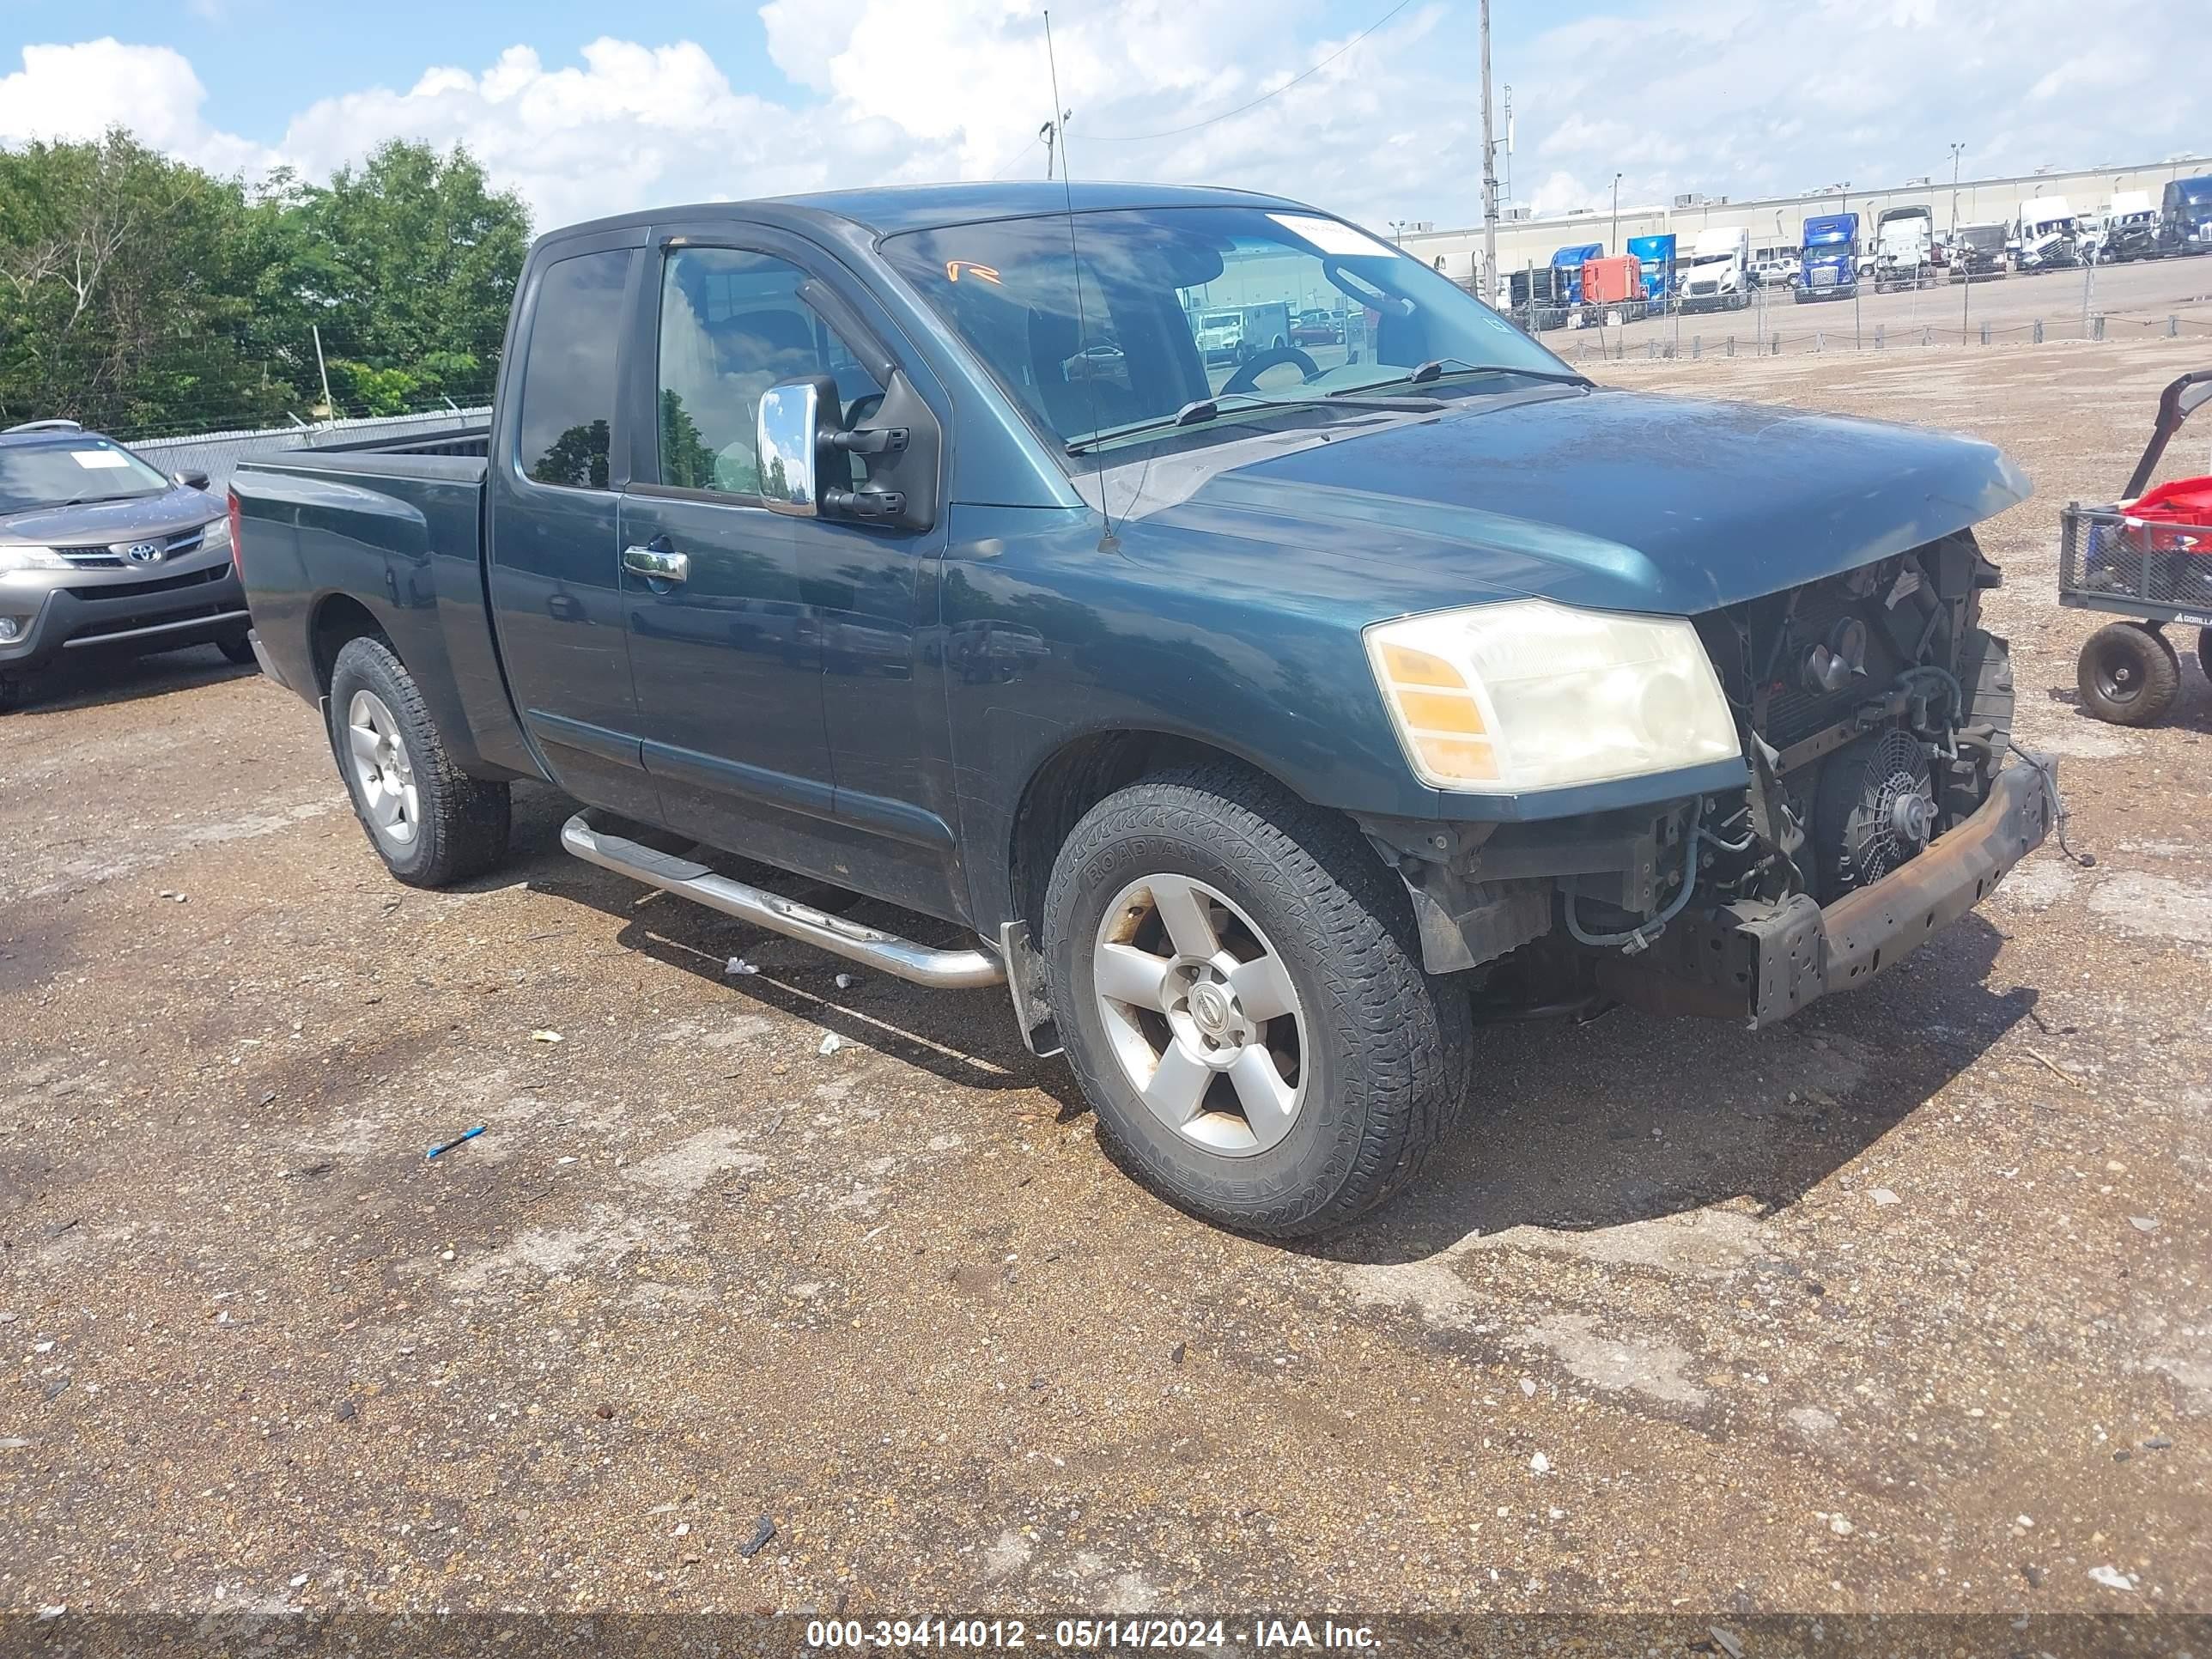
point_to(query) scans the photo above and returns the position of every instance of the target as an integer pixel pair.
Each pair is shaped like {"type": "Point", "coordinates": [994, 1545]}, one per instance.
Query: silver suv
{"type": "Point", "coordinates": [100, 550]}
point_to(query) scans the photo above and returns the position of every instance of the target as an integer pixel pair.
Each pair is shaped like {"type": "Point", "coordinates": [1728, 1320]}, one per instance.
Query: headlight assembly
{"type": "Point", "coordinates": [1504, 699]}
{"type": "Point", "coordinates": [31, 558]}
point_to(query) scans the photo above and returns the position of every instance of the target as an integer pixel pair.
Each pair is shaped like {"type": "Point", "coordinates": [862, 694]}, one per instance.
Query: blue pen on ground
{"type": "Point", "coordinates": [455, 1141]}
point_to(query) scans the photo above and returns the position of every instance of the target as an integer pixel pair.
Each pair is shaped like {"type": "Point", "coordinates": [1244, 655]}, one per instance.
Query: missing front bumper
{"type": "Point", "coordinates": [1761, 967]}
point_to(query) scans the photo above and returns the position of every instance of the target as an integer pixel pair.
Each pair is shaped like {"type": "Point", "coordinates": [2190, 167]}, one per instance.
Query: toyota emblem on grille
{"type": "Point", "coordinates": [142, 552]}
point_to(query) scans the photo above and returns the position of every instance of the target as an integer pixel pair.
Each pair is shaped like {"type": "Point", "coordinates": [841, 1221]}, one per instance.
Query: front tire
{"type": "Point", "coordinates": [2128, 674]}
{"type": "Point", "coordinates": [236, 648]}
{"type": "Point", "coordinates": [430, 823]}
{"type": "Point", "coordinates": [1237, 981]}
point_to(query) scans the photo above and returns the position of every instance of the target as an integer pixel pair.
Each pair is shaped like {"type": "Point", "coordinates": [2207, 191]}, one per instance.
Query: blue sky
{"type": "Point", "coordinates": [590, 108]}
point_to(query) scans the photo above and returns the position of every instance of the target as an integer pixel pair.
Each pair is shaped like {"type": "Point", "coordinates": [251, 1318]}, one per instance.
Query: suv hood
{"type": "Point", "coordinates": [101, 522]}
{"type": "Point", "coordinates": [1614, 500]}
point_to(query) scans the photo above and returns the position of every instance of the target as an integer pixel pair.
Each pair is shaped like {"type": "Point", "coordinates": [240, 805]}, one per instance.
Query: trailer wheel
{"type": "Point", "coordinates": [1238, 980]}
{"type": "Point", "coordinates": [2128, 674]}
{"type": "Point", "coordinates": [2205, 652]}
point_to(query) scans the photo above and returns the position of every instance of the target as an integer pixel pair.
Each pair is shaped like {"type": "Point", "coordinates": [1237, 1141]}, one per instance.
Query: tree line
{"type": "Point", "coordinates": [144, 296]}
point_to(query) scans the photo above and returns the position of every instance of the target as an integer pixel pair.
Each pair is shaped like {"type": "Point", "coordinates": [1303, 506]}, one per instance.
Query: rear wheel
{"type": "Point", "coordinates": [1238, 983]}
{"type": "Point", "coordinates": [430, 821]}
{"type": "Point", "coordinates": [2128, 674]}
{"type": "Point", "coordinates": [2205, 652]}
{"type": "Point", "coordinates": [237, 648]}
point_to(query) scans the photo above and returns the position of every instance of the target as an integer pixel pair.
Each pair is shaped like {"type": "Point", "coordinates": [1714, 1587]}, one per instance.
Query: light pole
{"type": "Point", "coordinates": [1957, 150]}
{"type": "Point", "coordinates": [1613, 246]}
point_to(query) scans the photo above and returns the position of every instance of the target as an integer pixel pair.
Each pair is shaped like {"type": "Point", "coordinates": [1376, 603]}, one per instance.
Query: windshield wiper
{"type": "Point", "coordinates": [1203, 410]}
{"type": "Point", "coordinates": [1436, 367]}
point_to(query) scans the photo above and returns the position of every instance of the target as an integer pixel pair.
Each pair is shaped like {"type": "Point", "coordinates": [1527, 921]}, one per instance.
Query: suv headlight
{"type": "Point", "coordinates": [214, 533]}
{"type": "Point", "coordinates": [31, 558]}
{"type": "Point", "coordinates": [1527, 694]}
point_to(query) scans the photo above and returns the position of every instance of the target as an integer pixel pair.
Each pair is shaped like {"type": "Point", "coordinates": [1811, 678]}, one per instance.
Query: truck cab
{"type": "Point", "coordinates": [1567, 264]}
{"type": "Point", "coordinates": [2130, 228]}
{"type": "Point", "coordinates": [1904, 248]}
{"type": "Point", "coordinates": [2184, 217]}
{"type": "Point", "coordinates": [1719, 274]}
{"type": "Point", "coordinates": [1656, 256]}
{"type": "Point", "coordinates": [1828, 267]}
{"type": "Point", "coordinates": [2046, 234]}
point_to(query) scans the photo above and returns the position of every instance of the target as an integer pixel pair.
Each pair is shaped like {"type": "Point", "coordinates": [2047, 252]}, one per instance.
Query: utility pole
{"type": "Point", "coordinates": [1508, 142]}
{"type": "Point", "coordinates": [1489, 174]}
{"type": "Point", "coordinates": [1957, 150]}
{"type": "Point", "coordinates": [330, 410]}
{"type": "Point", "coordinates": [1613, 246]}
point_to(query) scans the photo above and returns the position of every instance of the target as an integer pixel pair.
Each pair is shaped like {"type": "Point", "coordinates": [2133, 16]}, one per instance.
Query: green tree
{"type": "Point", "coordinates": [411, 257]}
{"type": "Point", "coordinates": [126, 290]}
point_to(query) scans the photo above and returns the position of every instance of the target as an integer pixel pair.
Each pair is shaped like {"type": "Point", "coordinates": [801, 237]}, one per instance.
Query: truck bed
{"type": "Point", "coordinates": [393, 527]}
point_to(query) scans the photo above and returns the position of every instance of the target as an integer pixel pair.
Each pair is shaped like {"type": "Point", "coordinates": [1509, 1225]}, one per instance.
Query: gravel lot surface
{"type": "Point", "coordinates": [1903, 1305]}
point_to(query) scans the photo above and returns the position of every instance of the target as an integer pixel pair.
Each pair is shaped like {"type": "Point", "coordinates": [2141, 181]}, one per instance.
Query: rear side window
{"type": "Point", "coordinates": [568, 372]}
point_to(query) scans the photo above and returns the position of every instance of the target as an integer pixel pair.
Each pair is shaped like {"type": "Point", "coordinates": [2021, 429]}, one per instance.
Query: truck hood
{"type": "Point", "coordinates": [1614, 500]}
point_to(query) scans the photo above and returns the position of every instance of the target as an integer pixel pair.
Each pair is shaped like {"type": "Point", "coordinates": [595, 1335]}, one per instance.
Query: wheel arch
{"type": "Point", "coordinates": [1075, 776]}
{"type": "Point", "coordinates": [338, 619]}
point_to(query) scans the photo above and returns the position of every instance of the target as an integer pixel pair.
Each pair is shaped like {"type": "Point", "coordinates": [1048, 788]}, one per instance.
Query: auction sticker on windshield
{"type": "Point", "coordinates": [98, 459]}
{"type": "Point", "coordinates": [1332, 236]}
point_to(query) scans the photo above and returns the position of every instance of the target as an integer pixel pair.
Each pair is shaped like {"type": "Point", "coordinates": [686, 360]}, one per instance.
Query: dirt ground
{"type": "Point", "coordinates": [1901, 1306]}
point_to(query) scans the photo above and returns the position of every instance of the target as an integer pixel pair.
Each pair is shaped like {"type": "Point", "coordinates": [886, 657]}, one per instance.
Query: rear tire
{"type": "Point", "coordinates": [2205, 652]}
{"type": "Point", "coordinates": [430, 823]}
{"type": "Point", "coordinates": [1318, 1012]}
{"type": "Point", "coordinates": [237, 648]}
{"type": "Point", "coordinates": [2128, 674]}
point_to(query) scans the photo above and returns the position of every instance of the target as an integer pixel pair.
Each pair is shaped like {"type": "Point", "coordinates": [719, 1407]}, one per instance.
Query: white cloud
{"type": "Point", "coordinates": [1718, 96]}
{"type": "Point", "coordinates": [65, 92]}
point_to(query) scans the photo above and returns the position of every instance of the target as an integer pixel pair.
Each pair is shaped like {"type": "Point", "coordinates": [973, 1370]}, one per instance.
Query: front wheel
{"type": "Point", "coordinates": [2128, 674]}
{"type": "Point", "coordinates": [430, 823]}
{"type": "Point", "coordinates": [236, 648]}
{"type": "Point", "coordinates": [1238, 983]}
{"type": "Point", "coordinates": [2205, 652]}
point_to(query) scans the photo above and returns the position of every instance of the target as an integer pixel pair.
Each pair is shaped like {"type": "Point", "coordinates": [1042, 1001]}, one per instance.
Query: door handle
{"type": "Point", "coordinates": [656, 563]}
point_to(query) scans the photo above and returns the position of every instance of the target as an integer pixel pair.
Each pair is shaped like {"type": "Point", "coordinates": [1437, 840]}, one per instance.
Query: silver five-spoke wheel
{"type": "Point", "coordinates": [1201, 1015]}
{"type": "Point", "coordinates": [383, 769]}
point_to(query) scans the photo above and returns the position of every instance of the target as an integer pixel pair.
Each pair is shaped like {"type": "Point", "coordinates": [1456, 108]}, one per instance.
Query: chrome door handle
{"type": "Point", "coordinates": [656, 564]}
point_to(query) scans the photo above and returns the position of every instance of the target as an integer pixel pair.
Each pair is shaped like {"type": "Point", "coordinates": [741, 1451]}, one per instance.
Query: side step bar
{"type": "Point", "coordinates": [942, 970]}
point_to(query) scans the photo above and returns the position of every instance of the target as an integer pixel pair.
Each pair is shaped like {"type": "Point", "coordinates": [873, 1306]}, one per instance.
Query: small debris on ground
{"type": "Point", "coordinates": [545, 1037]}
{"type": "Point", "coordinates": [1883, 1198]}
{"type": "Point", "coordinates": [739, 965]}
{"type": "Point", "coordinates": [2143, 1224]}
{"type": "Point", "coordinates": [763, 1529]}
{"type": "Point", "coordinates": [448, 1146]}
{"type": "Point", "coordinates": [2111, 1577]}
{"type": "Point", "coordinates": [831, 1042]}
{"type": "Point", "coordinates": [1540, 1463]}
{"type": "Point", "coordinates": [845, 982]}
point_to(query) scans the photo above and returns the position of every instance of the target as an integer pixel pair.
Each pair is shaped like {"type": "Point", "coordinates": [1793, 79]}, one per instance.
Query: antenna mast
{"type": "Point", "coordinates": [1489, 283]}
{"type": "Point", "coordinates": [1075, 264]}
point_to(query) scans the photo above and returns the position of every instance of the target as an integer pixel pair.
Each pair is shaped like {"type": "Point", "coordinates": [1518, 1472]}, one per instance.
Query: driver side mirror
{"type": "Point", "coordinates": [193, 480]}
{"type": "Point", "coordinates": [796, 418]}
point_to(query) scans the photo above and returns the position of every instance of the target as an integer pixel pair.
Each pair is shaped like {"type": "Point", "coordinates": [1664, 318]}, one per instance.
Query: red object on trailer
{"type": "Point", "coordinates": [1614, 281]}
{"type": "Point", "coordinates": [2183, 501]}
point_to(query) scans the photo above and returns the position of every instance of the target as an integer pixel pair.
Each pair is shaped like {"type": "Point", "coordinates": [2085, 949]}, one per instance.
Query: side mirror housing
{"type": "Point", "coordinates": [795, 417]}
{"type": "Point", "coordinates": [193, 480]}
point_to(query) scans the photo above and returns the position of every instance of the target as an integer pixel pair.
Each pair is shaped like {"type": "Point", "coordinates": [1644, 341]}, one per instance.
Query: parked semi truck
{"type": "Point", "coordinates": [2045, 234]}
{"type": "Point", "coordinates": [1567, 270]}
{"type": "Point", "coordinates": [1239, 743]}
{"type": "Point", "coordinates": [2184, 217]}
{"type": "Point", "coordinates": [1719, 274]}
{"type": "Point", "coordinates": [1829, 266]}
{"type": "Point", "coordinates": [1656, 255]}
{"type": "Point", "coordinates": [1978, 252]}
{"type": "Point", "coordinates": [2130, 228]}
{"type": "Point", "coordinates": [1904, 248]}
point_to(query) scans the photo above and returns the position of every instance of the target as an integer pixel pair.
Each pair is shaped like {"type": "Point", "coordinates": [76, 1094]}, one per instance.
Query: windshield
{"type": "Point", "coordinates": [1153, 280]}
{"type": "Point", "coordinates": [1726, 256]}
{"type": "Point", "coordinates": [55, 472]}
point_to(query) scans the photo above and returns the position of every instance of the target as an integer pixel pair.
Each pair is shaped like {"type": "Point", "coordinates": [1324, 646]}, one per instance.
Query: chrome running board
{"type": "Point", "coordinates": [942, 970]}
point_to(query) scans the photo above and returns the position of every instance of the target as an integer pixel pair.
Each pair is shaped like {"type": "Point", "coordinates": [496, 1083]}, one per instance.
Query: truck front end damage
{"type": "Point", "coordinates": [1874, 715]}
